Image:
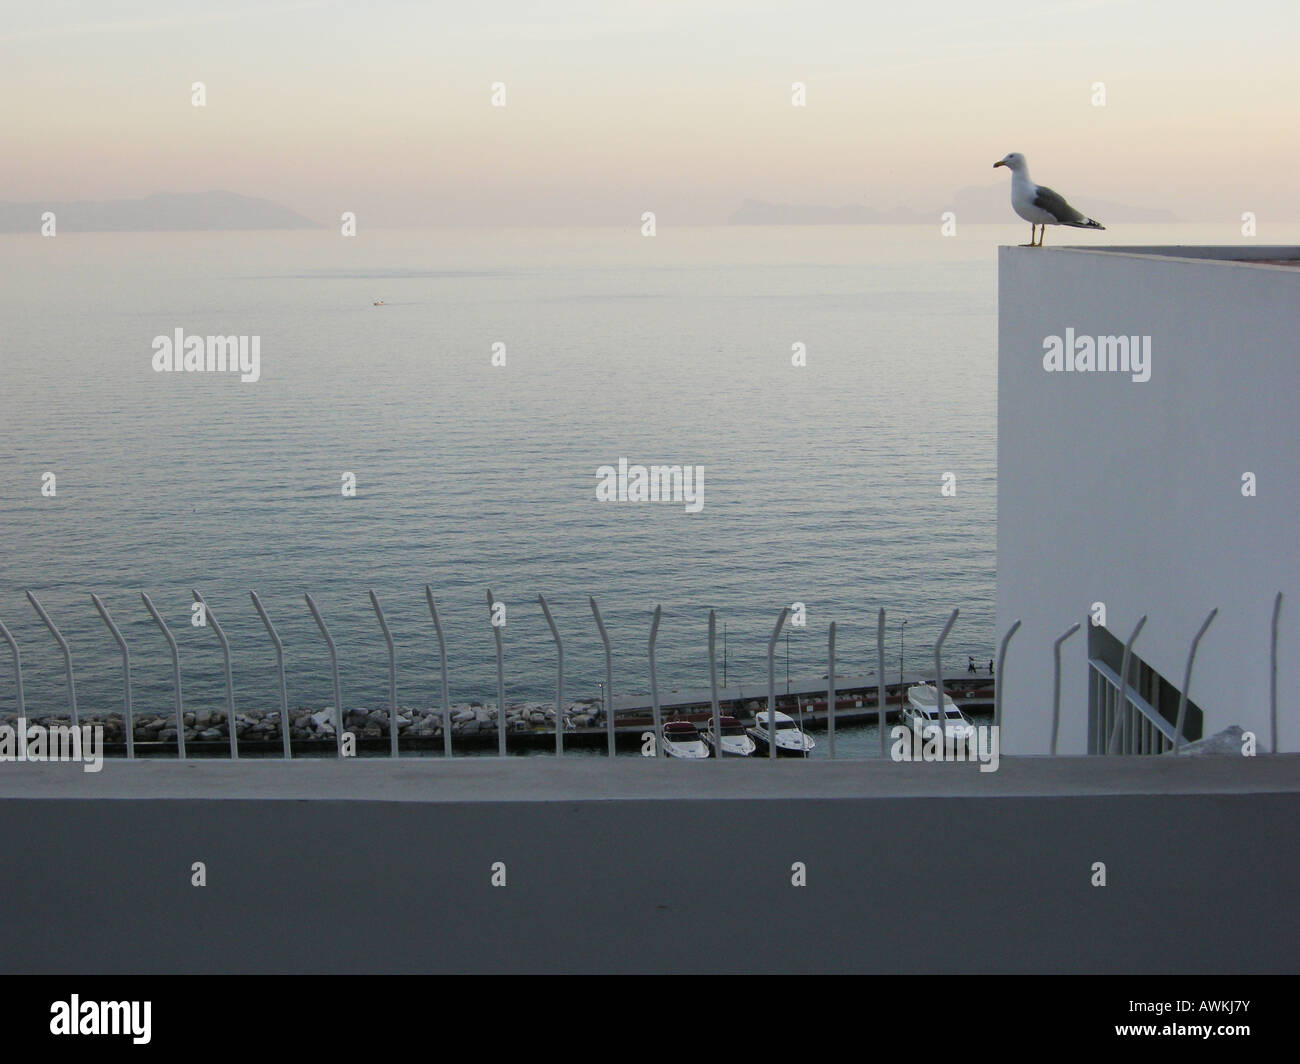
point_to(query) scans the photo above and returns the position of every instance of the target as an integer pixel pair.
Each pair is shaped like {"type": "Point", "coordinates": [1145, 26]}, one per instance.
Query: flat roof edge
{"type": "Point", "coordinates": [1258, 256]}
{"type": "Point", "coordinates": [522, 780]}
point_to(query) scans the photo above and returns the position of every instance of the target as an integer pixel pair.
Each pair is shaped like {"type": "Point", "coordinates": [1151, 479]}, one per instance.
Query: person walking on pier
{"type": "Point", "coordinates": [970, 667]}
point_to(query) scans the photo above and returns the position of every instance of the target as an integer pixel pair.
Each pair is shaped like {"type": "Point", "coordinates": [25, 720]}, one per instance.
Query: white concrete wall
{"type": "Point", "coordinates": [1130, 494]}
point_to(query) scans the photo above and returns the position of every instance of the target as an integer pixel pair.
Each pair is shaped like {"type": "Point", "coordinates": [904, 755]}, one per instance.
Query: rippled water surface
{"type": "Point", "coordinates": [822, 484]}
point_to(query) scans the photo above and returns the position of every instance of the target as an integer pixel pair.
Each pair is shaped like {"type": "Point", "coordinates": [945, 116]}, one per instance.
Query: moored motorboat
{"type": "Point", "coordinates": [920, 712]}
{"type": "Point", "coordinates": [682, 739]}
{"type": "Point", "coordinates": [790, 738]}
{"type": "Point", "coordinates": [736, 742]}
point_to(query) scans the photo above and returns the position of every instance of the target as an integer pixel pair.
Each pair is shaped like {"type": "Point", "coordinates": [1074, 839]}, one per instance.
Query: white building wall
{"type": "Point", "coordinates": [1131, 493]}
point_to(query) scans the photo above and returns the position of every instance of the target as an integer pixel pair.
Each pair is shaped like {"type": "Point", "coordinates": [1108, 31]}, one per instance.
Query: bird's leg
{"type": "Point", "coordinates": [1042, 232]}
{"type": "Point", "coordinates": [1031, 237]}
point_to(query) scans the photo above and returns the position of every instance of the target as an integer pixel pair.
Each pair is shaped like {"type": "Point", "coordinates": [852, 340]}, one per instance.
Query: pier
{"type": "Point", "coordinates": [803, 699]}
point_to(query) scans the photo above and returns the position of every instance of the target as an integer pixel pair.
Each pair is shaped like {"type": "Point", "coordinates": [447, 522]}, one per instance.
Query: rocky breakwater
{"type": "Point", "coordinates": [307, 724]}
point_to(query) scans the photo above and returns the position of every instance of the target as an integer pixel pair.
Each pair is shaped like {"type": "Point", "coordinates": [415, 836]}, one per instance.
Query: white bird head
{"type": "Point", "coordinates": [1013, 161]}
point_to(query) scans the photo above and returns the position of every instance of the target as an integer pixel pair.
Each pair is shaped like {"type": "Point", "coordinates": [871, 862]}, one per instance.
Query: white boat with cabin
{"type": "Point", "coordinates": [921, 713]}
{"type": "Point", "coordinates": [682, 739]}
{"type": "Point", "coordinates": [790, 738]}
{"type": "Point", "coordinates": [736, 742]}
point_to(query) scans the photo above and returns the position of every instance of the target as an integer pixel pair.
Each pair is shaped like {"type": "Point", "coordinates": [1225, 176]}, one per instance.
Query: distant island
{"type": "Point", "coordinates": [160, 212]}
{"type": "Point", "coordinates": [988, 203]}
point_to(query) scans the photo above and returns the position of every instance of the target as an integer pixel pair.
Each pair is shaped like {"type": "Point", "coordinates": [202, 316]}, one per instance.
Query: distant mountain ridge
{"type": "Point", "coordinates": [974, 205]}
{"type": "Point", "coordinates": [162, 211]}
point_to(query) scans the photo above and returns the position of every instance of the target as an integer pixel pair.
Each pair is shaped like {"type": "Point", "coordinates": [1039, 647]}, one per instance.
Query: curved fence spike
{"type": "Point", "coordinates": [501, 679]}
{"type": "Point", "coordinates": [771, 682]}
{"type": "Point", "coordinates": [1272, 669]}
{"type": "Point", "coordinates": [211, 618]}
{"type": "Point", "coordinates": [20, 722]}
{"type": "Point", "coordinates": [67, 655]}
{"type": "Point", "coordinates": [279, 661]}
{"type": "Point", "coordinates": [128, 720]}
{"type": "Point", "coordinates": [713, 685]}
{"type": "Point", "coordinates": [609, 676]}
{"type": "Point", "coordinates": [1187, 680]}
{"type": "Point", "coordinates": [1002, 665]}
{"type": "Point", "coordinates": [442, 657]}
{"type": "Point", "coordinates": [1121, 708]}
{"type": "Point", "coordinates": [1056, 680]}
{"type": "Point", "coordinates": [392, 675]}
{"type": "Point", "coordinates": [654, 687]}
{"type": "Point", "coordinates": [880, 681]}
{"type": "Point", "coordinates": [938, 681]}
{"type": "Point", "coordinates": [334, 670]}
{"type": "Point", "coordinates": [176, 672]}
{"type": "Point", "coordinates": [559, 677]}
{"type": "Point", "coordinates": [830, 689]}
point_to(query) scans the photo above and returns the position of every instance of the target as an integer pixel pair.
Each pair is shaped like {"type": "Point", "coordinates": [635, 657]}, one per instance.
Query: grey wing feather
{"type": "Point", "coordinates": [1055, 205]}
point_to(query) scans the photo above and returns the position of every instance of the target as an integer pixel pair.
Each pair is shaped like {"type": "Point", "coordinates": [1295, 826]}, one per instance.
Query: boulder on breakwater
{"type": "Point", "coordinates": [307, 724]}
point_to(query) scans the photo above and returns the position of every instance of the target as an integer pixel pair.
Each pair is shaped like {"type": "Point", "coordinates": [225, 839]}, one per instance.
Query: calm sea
{"type": "Point", "coordinates": [822, 483]}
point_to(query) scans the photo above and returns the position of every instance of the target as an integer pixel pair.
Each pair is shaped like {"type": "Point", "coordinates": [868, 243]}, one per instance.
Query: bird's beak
{"type": "Point", "coordinates": [1000, 162]}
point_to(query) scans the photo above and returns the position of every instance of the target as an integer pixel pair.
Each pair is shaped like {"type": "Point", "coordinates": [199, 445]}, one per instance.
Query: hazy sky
{"type": "Point", "coordinates": [683, 108]}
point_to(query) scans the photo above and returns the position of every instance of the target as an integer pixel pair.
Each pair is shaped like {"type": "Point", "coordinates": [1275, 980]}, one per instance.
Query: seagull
{"type": "Point", "coordinates": [1038, 204]}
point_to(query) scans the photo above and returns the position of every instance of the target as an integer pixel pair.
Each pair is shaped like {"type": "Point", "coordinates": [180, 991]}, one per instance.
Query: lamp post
{"type": "Point", "coordinates": [787, 661]}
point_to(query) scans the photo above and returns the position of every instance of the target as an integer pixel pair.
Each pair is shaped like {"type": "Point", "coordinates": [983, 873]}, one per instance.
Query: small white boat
{"type": "Point", "coordinates": [378, 303]}
{"type": "Point", "coordinates": [682, 739]}
{"type": "Point", "coordinates": [921, 713]}
{"type": "Point", "coordinates": [790, 738]}
{"type": "Point", "coordinates": [736, 742]}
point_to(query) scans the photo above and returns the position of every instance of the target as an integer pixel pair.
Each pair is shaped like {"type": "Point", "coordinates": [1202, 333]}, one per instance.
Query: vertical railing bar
{"type": "Point", "coordinates": [209, 616]}
{"type": "Point", "coordinates": [654, 687]}
{"type": "Point", "coordinates": [128, 720]}
{"type": "Point", "coordinates": [334, 671]}
{"type": "Point", "coordinates": [609, 675]}
{"type": "Point", "coordinates": [559, 677]}
{"type": "Point", "coordinates": [67, 655]}
{"type": "Point", "coordinates": [1107, 716]}
{"type": "Point", "coordinates": [771, 682]}
{"type": "Point", "coordinates": [830, 688]}
{"type": "Point", "coordinates": [1103, 717]}
{"type": "Point", "coordinates": [938, 681]}
{"type": "Point", "coordinates": [442, 658]}
{"type": "Point", "coordinates": [501, 679]}
{"type": "Point", "coordinates": [279, 661]}
{"type": "Point", "coordinates": [1056, 681]}
{"type": "Point", "coordinates": [1002, 668]}
{"type": "Point", "coordinates": [1122, 708]}
{"type": "Point", "coordinates": [880, 680]}
{"type": "Point", "coordinates": [176, 672]}
{"type": "Point", "coordinates": [713, 686]}
{"type": "Point", "coordinates": [21, 721]}
{"type": "Point", "coordinates": [392, 674]}
{"type": "Point", "coordinates": [1272, 669]}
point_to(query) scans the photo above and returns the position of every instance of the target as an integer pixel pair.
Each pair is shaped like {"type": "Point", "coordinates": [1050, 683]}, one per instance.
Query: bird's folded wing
{"type": "Point", "coordinates": [1055, 205]}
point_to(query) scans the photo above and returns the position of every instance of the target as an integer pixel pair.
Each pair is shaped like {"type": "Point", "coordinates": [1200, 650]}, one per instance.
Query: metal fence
{"type": "Point", "coordinates": [1121, 721]}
